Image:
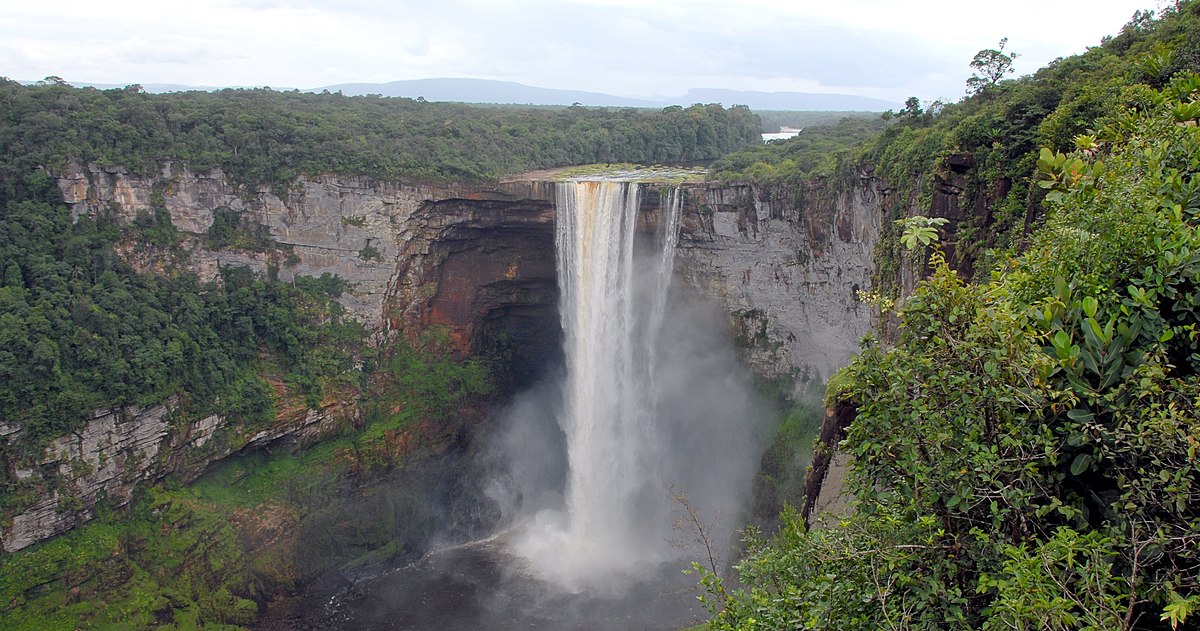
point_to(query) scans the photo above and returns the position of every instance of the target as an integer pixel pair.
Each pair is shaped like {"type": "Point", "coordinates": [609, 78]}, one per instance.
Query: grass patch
{"type": "Point", "coordinates": [256, 478]}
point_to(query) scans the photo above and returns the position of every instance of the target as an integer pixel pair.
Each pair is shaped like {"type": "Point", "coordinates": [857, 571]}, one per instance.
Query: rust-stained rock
{"type": "Point", "coordinates": [824, 488]}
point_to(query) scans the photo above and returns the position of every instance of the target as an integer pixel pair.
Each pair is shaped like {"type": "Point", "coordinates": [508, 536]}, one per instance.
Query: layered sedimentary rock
{"type": "Point", "coordinates": [120, 448]}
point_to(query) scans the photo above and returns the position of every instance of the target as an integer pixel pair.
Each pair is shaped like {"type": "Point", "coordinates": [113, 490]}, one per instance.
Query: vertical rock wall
{"type": "Point", "coordinates": [788, 265]}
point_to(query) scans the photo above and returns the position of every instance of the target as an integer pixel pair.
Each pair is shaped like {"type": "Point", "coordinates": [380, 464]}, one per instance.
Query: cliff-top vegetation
{"type": "Point", "coordinates": [988, 143]}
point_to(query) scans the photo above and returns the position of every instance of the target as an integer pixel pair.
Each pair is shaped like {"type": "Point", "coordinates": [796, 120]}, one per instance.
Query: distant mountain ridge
{"type": "Point", "coordinates": [509, 92]}
{"type": "Point", "coordinates": [484, 91]}
{"type": "Point", "coordinates": [512, 93]}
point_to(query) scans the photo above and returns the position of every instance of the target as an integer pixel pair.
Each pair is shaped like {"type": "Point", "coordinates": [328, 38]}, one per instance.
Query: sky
{"type": "Point", "coordinates": [889, 49]}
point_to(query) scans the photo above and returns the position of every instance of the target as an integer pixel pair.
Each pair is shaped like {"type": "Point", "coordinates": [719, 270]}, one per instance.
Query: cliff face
{"type": "Point", "coordinates": [475, 260]}
{"type": "Point", "coordinates": [482, 265]}
{"type": "Point", "coordinates": [788, 266]}
{"type": "Point", "coordinates": [121, 448]}
{"type": "Point", "coordinates": [327, 222]}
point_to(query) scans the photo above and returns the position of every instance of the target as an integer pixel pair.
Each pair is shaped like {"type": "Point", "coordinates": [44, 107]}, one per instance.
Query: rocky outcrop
{"type": "Point", "coordinates": [967, 204]}
{"type": "Point", "coordinates": [120, 448]}
{"type": "Point", "coordinates": [108, 457]}
{"type": "Point", "coordinates": [824, 486]}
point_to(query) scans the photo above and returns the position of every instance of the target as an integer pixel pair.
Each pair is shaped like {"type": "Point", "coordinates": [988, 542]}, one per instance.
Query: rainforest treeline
{"type": "Point", "coordinates": [261, 136]}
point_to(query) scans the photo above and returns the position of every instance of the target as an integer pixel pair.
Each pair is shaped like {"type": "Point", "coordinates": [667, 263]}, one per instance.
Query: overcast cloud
{"type": "Point", "coordinates": [887, 49]}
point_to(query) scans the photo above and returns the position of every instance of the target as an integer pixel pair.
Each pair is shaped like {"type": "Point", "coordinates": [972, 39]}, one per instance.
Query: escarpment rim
{"type": "Point", "coordinates": [640, 173]}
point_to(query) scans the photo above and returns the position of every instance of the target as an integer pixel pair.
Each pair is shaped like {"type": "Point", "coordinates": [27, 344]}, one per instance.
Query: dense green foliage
{"type": "Point", "coordinates": [266, 137]}
{"type": "Point", "coordinates": [987, 145]}
{"type": "Point", "coordinates": [80, 329]}
{"type": "Point", "coordinates": [204, 556]}
{"type": "Point", "coordinates": [1025, 455]}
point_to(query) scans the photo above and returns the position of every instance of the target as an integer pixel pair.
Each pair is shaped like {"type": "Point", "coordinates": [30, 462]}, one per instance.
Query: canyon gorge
{"type": "Point", "coordinates": [476, 259]}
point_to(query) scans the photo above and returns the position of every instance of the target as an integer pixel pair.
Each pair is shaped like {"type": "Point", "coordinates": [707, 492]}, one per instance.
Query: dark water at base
{"type": "Point", "coordinates": [475, 587]}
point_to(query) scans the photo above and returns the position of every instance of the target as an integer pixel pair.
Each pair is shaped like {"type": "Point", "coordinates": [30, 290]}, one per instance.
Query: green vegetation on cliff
{"type": "Point", "coordinates": [175, 564]}
{"type": "Point", "coordinates": [1025, 454]}
{"type": "Point", "coordinates": [205, 555]}
{"type": "Point", "coordinates": [974, 161]}
{"type": "Point", "coordinates": [81, 329]}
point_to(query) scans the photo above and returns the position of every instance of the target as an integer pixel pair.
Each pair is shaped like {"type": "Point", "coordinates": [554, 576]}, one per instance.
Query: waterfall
{"type": "Point", "coordinates": [612, 308]}
{"type": "Point", "coordinates": [668, 238]}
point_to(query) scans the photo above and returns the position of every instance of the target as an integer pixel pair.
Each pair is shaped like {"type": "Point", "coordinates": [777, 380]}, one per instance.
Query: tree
{"type": "Point", "coordinates": [991, 65]}
{"type": "Point", "coordinates": [912, 107]}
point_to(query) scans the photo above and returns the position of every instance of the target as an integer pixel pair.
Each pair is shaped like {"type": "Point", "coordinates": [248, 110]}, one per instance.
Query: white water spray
{"type": "Point", "coordinates": [617, 511]}
{"type": "Point", "coordinates": [652, 397]}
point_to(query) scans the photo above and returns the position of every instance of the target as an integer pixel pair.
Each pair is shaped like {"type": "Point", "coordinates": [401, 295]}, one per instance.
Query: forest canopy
{"type": "Point", "coordinates": [262, 136]}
